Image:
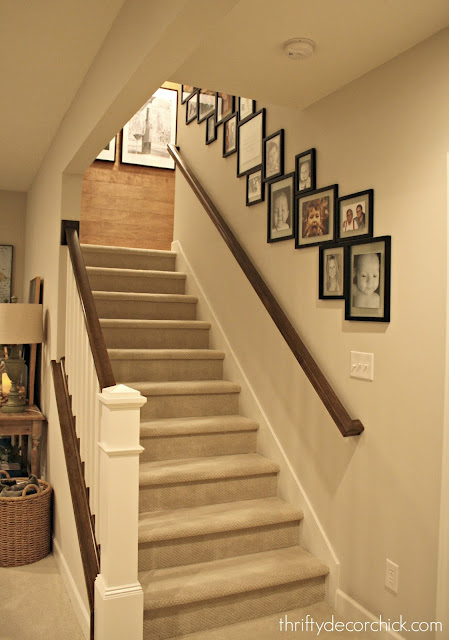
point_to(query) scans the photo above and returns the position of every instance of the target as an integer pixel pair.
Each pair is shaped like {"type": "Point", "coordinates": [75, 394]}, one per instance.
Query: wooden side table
{"type": "Point", "coordinates": [28, 422]}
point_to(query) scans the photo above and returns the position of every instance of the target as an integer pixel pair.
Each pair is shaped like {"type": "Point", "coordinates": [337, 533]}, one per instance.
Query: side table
{"type": "Point", "coordinates": [25, 423]}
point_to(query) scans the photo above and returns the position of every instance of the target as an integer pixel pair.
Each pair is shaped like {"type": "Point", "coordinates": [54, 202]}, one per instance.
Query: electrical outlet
{"type": "Point", "coordinates": [391, 576]}
{"type": "Point", "coordinates": [362, 365]}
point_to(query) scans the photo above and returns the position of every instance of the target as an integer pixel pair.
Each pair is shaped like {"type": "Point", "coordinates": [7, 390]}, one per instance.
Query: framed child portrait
{"type": "Point", "coordinates": [315, 217]}
{"type": "Point", "coordinates": [230, 135]}
{"type": "Point", "coordinates": [331, 273]}
{"type": "Point", "coordinates": [355, 215]}
{"type": "Point", "coordinates": [255, 188]}
{"type": "Point", "coordinates": [192, 108]}
{"type": "Point", "coordinates": [280, 208]}
{"type": "Point", "coordinates": [367, 269]}
{"type": "Point", "coordinates": [305, 167]}
{"type": "Point", "coordinates": [273, 155]}
{"type": "Point", "coordinates": [211, 129]}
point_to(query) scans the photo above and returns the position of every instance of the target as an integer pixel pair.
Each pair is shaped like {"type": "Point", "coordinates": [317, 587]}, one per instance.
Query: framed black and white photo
{"type": "Point", "coordinates": [355, 215]}
{"type": "Point", "coordinates": [108, 153]}
{"type": "Point", "coordinates": [331, 272]}
{"type": "Point", "coordinates": [273, 155]}
{"type": "Point", "coordinates": [224, 106]}
{"type": "Point", "coordinates": [192, 108]}
{"type": "Point", "coordinates": [255, 188]}
{"type": "Point", "coordinates": [186, 92]}
{"type": "Point", "coordinates": [211, 129]}
{"type": "Point", "coordinates": [251, 133]}
{"type": "Point", "coordinates": [206, 104]}
{"type": "Point", "coordinates": [246, 108]}
{"type": "Point", "coordinates": [305, 167]}
{"type": "Point", "coordinates": [315, 217]}
{"type": "Point", "coordinates": [280, 208]}
{"type": "Point", "coordinates": [230, 135]}
{"type": "Point", "coordinates": [146, 135]}
{"type": "Point", "coordinates": [367, 268]}
{"type": "Point", "coordinates": [5, 272]}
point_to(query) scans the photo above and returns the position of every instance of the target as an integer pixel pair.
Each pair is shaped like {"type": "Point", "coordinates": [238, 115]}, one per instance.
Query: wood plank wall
{"type": "Point", "coordinates": [127, 205]}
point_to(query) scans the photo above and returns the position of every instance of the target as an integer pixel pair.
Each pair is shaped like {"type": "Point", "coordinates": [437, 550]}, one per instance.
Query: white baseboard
{"type": "Point", "coordinates": [353, 611]}
{"type": "Point", "coordinates": [82, 614]}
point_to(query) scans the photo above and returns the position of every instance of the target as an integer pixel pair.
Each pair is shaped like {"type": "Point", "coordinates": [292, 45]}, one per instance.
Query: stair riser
{"type": "Point", "coordinates": [198, 445]}
{"type": "Point", "coordinates": [167, 370]}
{"type": "Point", "coordinates": [173, 621]}
{"type": "Point", "coordinates": [136, 284]}
{"type": "Point", "coordinates": [131, 309]}
{"type": "Point", "coordinates": [124, 338]}
{"type": "Point", "coordinates": [170, 553]}
{"type": "Point", "coordinates": [210, 404]}
{"type": "Point", "coordinates": [195, 494]}
{"type": "Point", "coordinates": [128, 261]}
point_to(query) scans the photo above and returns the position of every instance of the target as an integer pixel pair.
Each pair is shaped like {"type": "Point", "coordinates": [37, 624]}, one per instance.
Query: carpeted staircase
{"type": "Point", "coordinates": [216, 545]}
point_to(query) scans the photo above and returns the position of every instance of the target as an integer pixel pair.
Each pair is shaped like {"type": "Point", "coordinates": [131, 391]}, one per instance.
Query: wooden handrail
{"type": "Point", "coordinates": [96, 340]}
{"type": "Point", "coordinates": [90, 555]}
{"type": "Point", "coordinates": [346, 425]}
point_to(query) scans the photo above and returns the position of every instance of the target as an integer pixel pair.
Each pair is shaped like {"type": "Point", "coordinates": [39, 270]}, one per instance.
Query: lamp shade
{"type": "Point", "coordinates": [20, 323]}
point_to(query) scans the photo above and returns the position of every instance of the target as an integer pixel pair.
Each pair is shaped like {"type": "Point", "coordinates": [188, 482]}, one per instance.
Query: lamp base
{"type": "Point", "coordinates": [15, 403]}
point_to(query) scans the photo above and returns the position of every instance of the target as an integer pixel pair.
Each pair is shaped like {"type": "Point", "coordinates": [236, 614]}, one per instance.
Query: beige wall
{"type": "Point", "coordinates": [12, 225]}
{"type": "Point", "coordinates": [377, 496]}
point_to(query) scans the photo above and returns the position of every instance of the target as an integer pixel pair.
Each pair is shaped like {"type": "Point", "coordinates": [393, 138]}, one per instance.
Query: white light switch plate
{"type": "Point", "coordinates": [362, 365]}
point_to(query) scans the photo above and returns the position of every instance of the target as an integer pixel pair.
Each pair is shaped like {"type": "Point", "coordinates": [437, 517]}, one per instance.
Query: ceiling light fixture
{"type": "Point", "coordinates": [298, 48]}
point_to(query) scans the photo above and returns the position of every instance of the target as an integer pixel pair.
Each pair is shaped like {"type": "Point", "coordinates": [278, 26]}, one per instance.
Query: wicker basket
{"type": "Point", "coordinates": [25, 526]}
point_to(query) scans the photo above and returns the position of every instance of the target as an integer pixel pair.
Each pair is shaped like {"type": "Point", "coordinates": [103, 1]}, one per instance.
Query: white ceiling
{"type": "Point", "coordinates": [47, 46]}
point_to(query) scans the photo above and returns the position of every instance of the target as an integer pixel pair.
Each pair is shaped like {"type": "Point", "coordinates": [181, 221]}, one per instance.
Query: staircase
{"type": "Point", "coordinates": [217, 546]}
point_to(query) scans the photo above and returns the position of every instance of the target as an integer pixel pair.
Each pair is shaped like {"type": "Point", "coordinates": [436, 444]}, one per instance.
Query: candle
{"type": "Point", "coordinates": [6, 384]}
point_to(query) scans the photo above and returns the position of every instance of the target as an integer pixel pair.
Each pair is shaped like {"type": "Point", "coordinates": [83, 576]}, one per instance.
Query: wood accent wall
{"type": "Point", "coordinates": [127, 205]}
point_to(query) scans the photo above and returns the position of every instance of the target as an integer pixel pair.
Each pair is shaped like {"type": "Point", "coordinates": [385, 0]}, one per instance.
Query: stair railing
{"type": "Point", "coordinates": [102, 452]}
{"type": "Point", "coordinates": [346, 425]}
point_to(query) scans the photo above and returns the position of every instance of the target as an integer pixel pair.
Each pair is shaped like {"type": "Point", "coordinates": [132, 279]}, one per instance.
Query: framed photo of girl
{"type": "Point", "coordinates": [280, 208]}
{"type": "Point", "coordinates": [331, 272]}
{"type": "Point", "coordinates": [273, 155]}
{"type": "Point", "coordinates": [305, 167]}
{"type": "Point", "coordinates": [355, 215]}
{"type": "Point", "coordinates": [315, 217]}
{"type": "Point", "coordinates": [367, 270]}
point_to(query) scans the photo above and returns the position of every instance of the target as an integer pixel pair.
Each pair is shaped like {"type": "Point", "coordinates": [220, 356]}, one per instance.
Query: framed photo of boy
{"type": "Point", "coordinates": [280, 208]}
{"type": "Point", "coordinates": [192, 108]}
{"type": "Point", "coordinates": [315, 217]}
{"type": "Point", "coordinates": [355, 215]}
{"type": "Point", "coordinates": [331, 272]}
{"type": "Point", "coordinates": [305, 167]}
{"type": "Point", "coordinates": [255, 188]}
{"type": "Point", "coordinates": [367, 269]}
{"type": "Point", "coordinates": [251, 134]}
{"type": "Point", "coordinates": [206, 104]}
{"type": "Point", "coordinates": [230, 135]}
{"type": "Point", "coordinates": [247, 107]}
{"type": "Point", "coordinates": [186, 92]}
{"type": "Point", "coordinates": [273, 155]}
{"type": "Point", "coordinates": [211, 129]}
{"type": "Point", "coordinates": [224, 106]}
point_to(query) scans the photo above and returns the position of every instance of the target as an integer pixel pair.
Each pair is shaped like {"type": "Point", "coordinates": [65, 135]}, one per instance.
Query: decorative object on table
{"type": "Point", "coordinates": [230, 135]}
{"type": "Point", "coordinates": [192, 108]}
{"type": "Point", "coordinates": [108, 153]}
{"type": "Point", "coordinates": [305, 167]}
{"type": "Point", "coordinates": [251, 133]}
{"type": "Point", "coordinates": [315, 217]}
{"type": "Point", "coordinates": [355, 215]}
{"type": "Point", "coordinates": [25, 523]}
{"type": "Point", "coordinates": [273, 155]}
{"type": "Point", "coordinates": [186, 92]}
{"type": "Point", "coordinates": [246, 108]}
{"type": "Point", "coordinates": [280, 208]}
{"type": "Point", "coordinates": [6, 252]}
{"type": "Point", "coordinates": [224, 106]}
{"type": "Point", "coordinates": [19, 324]}
{"type": "Point", "coordinates": [331, 272]}
{"type": "Point", "coordinates": [211, 129]}
{"type": "Point", "coordinates": [368, 265]}
{"type": "Point", "coordinates": [206, 104]}
{"type": "Point", "coordinates": [255, 188]}
{"type": "Point", "coordinates": [146, 135]}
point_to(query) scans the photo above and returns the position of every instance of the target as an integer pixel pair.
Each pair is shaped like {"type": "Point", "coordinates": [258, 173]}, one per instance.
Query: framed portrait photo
{"type": "Point", "coordinates": [211, 129]}
{"type": "Point", "coordinates": [251, 133]}
{"type": "Point", "coordinates": [206, 104]}
{"type": "Point", "coordinates": [255, 188]}
{"type": "Point", "coordinates": [108, 153]}
{"type": "Point", "coordinates": [224, 106]}
{"type": "Point", "coordinates": [230, 135]}
{"type": "Point", "coordinates": [355, 215]}
{"type": "Point", "coordinates": [315, 217]}
{"type": "Point", "coordinates": [186, 92]}
{"type": "Point", "coordinates": [246, 108]}
{"type": "Point", "coordinates": [273, 155]}
{"type": "Point", "coordinates": [280, 208]}
{"type": "Point", "coordinates": [305, 167]}
{"type": "Point", "coordinates": [192, 108]}
{"type": "Point", "coordinates": [331, 272]}
{"type": "Point", "coordinates": [367, 270]}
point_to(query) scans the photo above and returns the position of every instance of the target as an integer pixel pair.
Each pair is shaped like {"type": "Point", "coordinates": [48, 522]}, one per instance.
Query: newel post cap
{"type": "Point", "coordinates": [121, 396]}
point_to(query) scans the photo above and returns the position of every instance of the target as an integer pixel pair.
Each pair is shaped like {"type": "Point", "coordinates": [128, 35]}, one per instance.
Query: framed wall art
{"type": "Point", "coordinates": [255, 188]}
{"type": "Point", "coordinates": [331, 272]}
{"type": "Point", "coordinates": [246, 108]}
{"type": "Point", "coordinates": [192, 108]}
{"type": "Point", "coordinates": [305, 167]}
{"type": "Point", "coordinates": [186, 92]}
{"type": "Point", "coordinates": [230, 135]}
{"type": "Point", "coordinates": [108, 153]}
{"type": "Point", "coordinates": [251, 133]}
{"type": "Point", "coordinates": [146, 135]}
{"type": "Point", "coordinates": [6, 251]}
{"type": "Point", "coordinates": [315, 217]}
{"type": "Point", "coordinates": [355, 215]}
{"type": "Point", "coordinates": [280, 208]}
{"type": "Point", "coordinates": [367, 268]}
{"type": "Point", "coordinates": [224, 106]}
{"type": "Point", "coordinates": [206, 104]}
{"type": "Point", "coordinates": [273, 155]}
{"type": "Point", "coordinates": [211, 129]}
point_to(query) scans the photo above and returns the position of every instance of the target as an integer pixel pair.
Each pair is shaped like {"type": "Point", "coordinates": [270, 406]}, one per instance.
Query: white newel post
{"type": "Point", "coordinates": [118, 593]}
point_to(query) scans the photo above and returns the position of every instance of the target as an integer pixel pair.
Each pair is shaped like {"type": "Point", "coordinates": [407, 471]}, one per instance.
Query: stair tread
{"type": "Point", "coordinates": [220, 578]}
{"type": "Point", "coordinates": [147, 297]}
{"type": "Point", "coordinates": [185, 387]}
{"type": "Point", "coordinates": [205, 468]}
{"type": "Point", "coordinates": [126, 250]}
{"type": "Point", "coordinates": [135, 273]}
{"type": "Point", "coordinates": [215, 518]}
{"type": "Point", "coordinates": [202, 424]}
{"type": "Point", "coordinates": [165, 354]}
{"type": "Point", "coordinates": [153, 324]}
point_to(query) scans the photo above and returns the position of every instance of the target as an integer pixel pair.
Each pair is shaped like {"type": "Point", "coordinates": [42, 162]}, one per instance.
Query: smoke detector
{"type": "Point", "coordinates": [298, 48]}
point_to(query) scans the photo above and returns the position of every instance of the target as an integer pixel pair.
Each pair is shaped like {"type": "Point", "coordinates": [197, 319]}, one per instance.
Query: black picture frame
{"type": "Point", "coordinates": [281, 219]}
{"type": "Point", "coordinates": [368, 260]}
{"type": "Point", "coordinates": [355, 216]}
{"type": "Point", "coordinates": [246, 108]}
{"type": "Point", "coordinates": [332, 282]}
{"type": "Point", "coordinates": [224, 106]}
{"type": "Point", "coordinates": [273, 155]}
{"type": "Point", "coordinates": [211, 129]}
{"type": "Point", "coordinates": [230, 140]}
{"type": "Point", "coordinates": [315, 217]}
{"type": "Point", "coordinates": [206, 104]}
{"type": "Point", "coordinates": [6, 265]}
{"type": "Point", "coordinates": [251, 133]}
{"type": "Point", "coordinates": [303, 160]}
{"type": "Point", "coordinates": [186, 91]}
{"type": "Point", "coordinates": [192, 108]}
{"type": "Point", "coordinates": [255, 188]}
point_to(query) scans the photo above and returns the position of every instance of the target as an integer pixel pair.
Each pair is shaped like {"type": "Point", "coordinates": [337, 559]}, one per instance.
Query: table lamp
{"type": "Point", "coordinates": [19, 324]}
